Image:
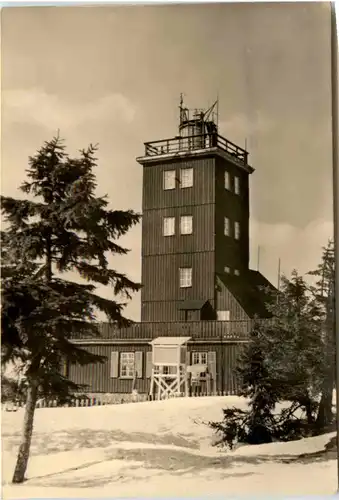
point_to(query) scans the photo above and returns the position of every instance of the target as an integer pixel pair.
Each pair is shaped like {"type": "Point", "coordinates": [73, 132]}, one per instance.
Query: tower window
{"type": "Point", "coordinates": [168, 226]}
{"type": "Point", "coordinates": [186, 177]}
{"type": "Point", "coordinates": [186, 224]}
{"type": "Point", "coordinates": [227, 180]}
{"type": "Point", "coordinates": [237, 230]}
{"type": "Point", "coordinates": [237, 272]}
{"type": "Point", "coordinates": [236, 185]}
{"type": "Point", "coordinates": [185, 277]}
{"type": "Point", "coordinates": [169, 179]}
{"type": "Point", "coordinates": [226, 226]}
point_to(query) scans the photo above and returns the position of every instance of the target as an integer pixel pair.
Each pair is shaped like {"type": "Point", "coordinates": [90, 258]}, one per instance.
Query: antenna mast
{"type": "Point", "coordinates": [258, 260]}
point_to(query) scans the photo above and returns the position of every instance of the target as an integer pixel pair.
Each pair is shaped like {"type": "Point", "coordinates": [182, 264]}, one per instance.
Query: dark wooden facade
{"type": "Point", "coordinates": [207, 250]}
{"type": "Point", "coordinates": [221, 279]}
{"type": "Point", "coordinates": [99, 377]}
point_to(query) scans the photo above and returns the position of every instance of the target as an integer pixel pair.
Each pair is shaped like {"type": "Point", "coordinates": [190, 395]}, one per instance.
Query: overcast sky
{"type": "Point", "coordinates": [113, 76]}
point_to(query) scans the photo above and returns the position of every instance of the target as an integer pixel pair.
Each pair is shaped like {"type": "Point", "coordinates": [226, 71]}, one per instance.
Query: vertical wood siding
{"type": "Point", "coordinates": [226, 302]}
{"type": "Point", "coordinates": [231, 252]}
{"type": "Point", "coordinates": [155, 197]}
{"type": "Point", "coordinates": [222, 360]}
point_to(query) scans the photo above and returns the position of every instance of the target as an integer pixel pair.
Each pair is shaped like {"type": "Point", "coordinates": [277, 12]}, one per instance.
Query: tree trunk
{"type": "Point", "coordinates": [325, 414]}
{"type": "Point", "coordinates": [23, 454]}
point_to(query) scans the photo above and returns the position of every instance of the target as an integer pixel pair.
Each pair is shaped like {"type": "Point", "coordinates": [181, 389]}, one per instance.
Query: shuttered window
{"type": "Point", "coordinates": [127, 364]}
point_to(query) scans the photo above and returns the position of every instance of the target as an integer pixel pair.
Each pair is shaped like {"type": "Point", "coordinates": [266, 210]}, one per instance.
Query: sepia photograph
{"type": "Point", "coordinates": [168, 263]}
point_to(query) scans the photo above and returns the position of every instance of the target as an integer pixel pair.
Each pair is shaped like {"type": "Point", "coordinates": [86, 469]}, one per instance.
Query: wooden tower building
{"type": "Point", "coordinates": [199, 296]}
{"type": "Point", "coordinates": [195, 226]}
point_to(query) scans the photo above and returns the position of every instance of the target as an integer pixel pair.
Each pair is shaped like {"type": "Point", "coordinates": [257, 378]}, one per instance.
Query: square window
{"type": "Point", "coordinates": [236, 185]}
{"type": "Point", "coordinates": [185, 277]}
{"type": "Point", "coordinates": [169, 179]}
{"type": "Point", "coordinates": [223, 315]}
{"type": "Point", "coordinates": [237, 230]}
{"type": "Point", "coordinates": [226, 226]}
{"type": "Point", "coordinates": [227, 270]}
{"type": "Point", "coordinates": [186, 224]}
{"type": "Point", "coordinates": [186, 177]}
{"type": "Point", "coordinates": [127, 365]}
{"type": "Point", "coordinates": [227, 180]}
{"type": "Point", "coordinates": [199, 358]}
{"type": "Point", "coordinates": [168, 226]}
{"type": "Point", "coordinates": [237, 272]}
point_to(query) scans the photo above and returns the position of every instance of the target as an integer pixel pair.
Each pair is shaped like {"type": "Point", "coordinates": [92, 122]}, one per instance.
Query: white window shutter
{"type": "Point", "coordinates": [138, 363]}
{"type": "Point", "coordinates": [114, 364]}
{"type": "Point", "coordinates": [212, 364]}
{"type": "Point", "coordinates": [188, 358]}
{"type": "Point", "coordinates": [149, 364]}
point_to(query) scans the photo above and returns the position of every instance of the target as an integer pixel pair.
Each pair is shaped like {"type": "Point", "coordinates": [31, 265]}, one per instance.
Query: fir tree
{"type": "Point", "coordinates": [64, 227]}
{"type": "Point", "coordinates": [324, 294]}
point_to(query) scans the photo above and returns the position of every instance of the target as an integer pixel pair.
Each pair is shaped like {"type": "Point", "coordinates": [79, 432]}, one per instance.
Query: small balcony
{"type": "Point", "coordinates": [196, 143]}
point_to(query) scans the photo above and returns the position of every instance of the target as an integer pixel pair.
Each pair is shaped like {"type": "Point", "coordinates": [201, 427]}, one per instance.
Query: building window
{"type": "Point", "coordinates": [186, 177]}
{"type": "Point", "coordinates": [237, 272]}
{"type": "Point", "coordinates": [169, 179]}
{"type": "Point", "coordinates": [199, 358]}
{"type": "Point", "coordinates": [127, 364]}
{"type": "Point", "coordinates": [168, 226]}
{"type": "Point", "coordinates": [227, 180]}
{"type": "Point", "coordinates": [237, 230]}
{"type": "Point", "coordinates": [223, 315]}
{"type": "Point", "coordinates": [185, 275]}
{"type": "Point", "coordinates": [227, 270]}
{"type": "Point", "coordinates": [186, 224]}
{"type": "Point", "coordinates": [226, 226]}
{"type": "Point", "coordinates": [236, 185]}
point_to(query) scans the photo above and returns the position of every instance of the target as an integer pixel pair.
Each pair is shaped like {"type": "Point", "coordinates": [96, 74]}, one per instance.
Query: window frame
{"type": "Point", "coordinates": [164, 225]}
{"type": "Point", "coordinates": [181, 269]}
{"type": "Point", "coordinates": [237, 230]}
{"type": "Point", "coordinates": [199, 355]}
{"type": "Point", "coordinates": [165, 172]}
{"type": "Point", "coordinates": [228, 313]}
{"type": "Point", "coordinates": [237, 185]}
{"type": "Point", "coordinates": [227, 226]}
{"type": "Point", "coordinates": [122, 364]}
{"type": "Point", "coordinates": [191, 224]}
{"type": "Point", "coordinates": [182, 170]}
{"type": "Point", "coordinates": [227, 180]}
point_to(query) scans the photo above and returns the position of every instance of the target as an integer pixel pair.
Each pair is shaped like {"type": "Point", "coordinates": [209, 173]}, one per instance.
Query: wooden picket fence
{"type": "Point", "coordinates": [88, 401]}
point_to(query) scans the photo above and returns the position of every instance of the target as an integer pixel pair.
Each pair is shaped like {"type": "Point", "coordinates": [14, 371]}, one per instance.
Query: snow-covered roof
{"type": "Point", "coordinates": [173, 341]}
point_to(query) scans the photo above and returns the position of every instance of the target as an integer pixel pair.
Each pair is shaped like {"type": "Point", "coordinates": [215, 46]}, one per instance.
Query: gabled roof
{"type": "Point", "coordinates": [173, 341]}
{"type": "Point", "coordinates": [192, 305]}
{"type": "Point", "coordinates": [247, 290]}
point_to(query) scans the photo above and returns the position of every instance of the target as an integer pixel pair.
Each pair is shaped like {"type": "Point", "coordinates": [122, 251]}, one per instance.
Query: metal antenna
{"type": "Point", "coordinates": [258, 260]}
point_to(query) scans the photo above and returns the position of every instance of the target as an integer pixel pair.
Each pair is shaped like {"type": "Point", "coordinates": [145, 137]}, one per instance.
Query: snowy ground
{"type": "Point", "coordinates": [158, 448]}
